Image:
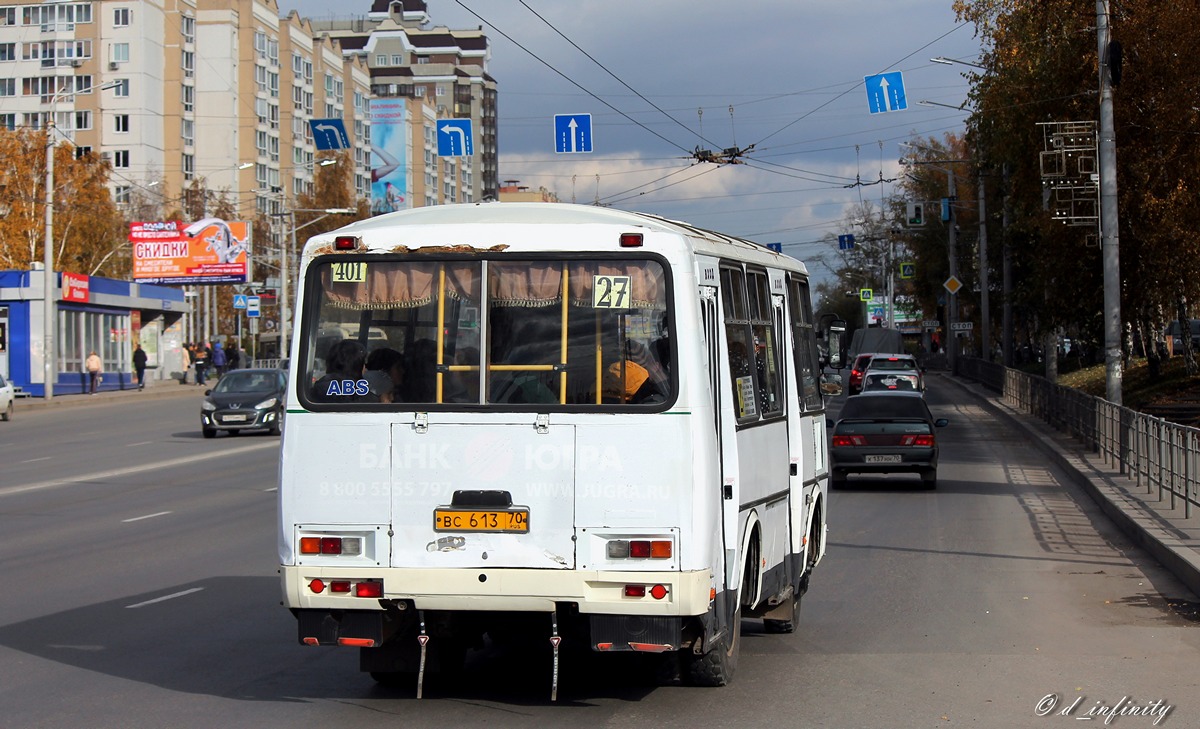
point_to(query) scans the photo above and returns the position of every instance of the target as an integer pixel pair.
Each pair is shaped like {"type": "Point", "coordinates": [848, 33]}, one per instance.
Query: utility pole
{"type": "Point", "coordinates": [1108, 214]}
{"type": "Point", "coordinates": [1006, 278]}
{"type": "Point", "coordinates": [952, 245]}
{"type": "Point", "coordinates": [985, 321]}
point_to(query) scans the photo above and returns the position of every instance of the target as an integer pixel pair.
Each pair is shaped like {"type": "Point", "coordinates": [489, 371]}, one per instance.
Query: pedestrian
{"type": "Point", "coordinates": [139, 366]}
{"type": "Point", "coordinates": [219, 360]}
{"type": "Point", "coordinates": [201, 360]}
{"type": "Point", "coordinates": [94, 367]}
{"type": "Point", "coordinates": [234, 358]}
{"type": "Point", "coordinates": [185, 358]}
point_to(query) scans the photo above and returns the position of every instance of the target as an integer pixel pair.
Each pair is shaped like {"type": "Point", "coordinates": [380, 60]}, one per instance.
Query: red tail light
{"type": "Point", "coordinates": [917, 440]}
{"type": "Point", "coordinates": [345, 243]}
{"type": "Point", "coordinates": [368, 589]}
{"type": "Point", "coordinates": [844, 441]}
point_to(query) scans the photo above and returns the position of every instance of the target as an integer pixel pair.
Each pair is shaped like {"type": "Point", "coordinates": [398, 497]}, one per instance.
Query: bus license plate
{"type": "Point", "coordinates": [881, 459]}
{"type": "Point", "coordinates": [481, 520]}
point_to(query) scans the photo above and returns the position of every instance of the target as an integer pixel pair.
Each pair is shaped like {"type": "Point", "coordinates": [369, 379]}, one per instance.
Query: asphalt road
{"type": "Point", "coordinates": [137, 565]}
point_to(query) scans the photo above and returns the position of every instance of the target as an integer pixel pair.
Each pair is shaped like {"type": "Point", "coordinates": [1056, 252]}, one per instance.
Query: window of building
{"type": "Point", "coordinates": [81, 152]}
{"type": "Point", "coordinates": [8, 121]}
{"type": "Point", "coordinates": [83, 120]}
{"type": "Point", "coordinates": [308, 71]}
{"type": "Point", "coordinates": [298, 98]}
{"type": "Point", "coordinates": [189, 98]}
{"type": "Point", "coordinates": [260, 142]}
{"type": "Point", "coordinates": [419, 92]}
{"type": "Point", "coordinates": [189, 166]}
{"type": "Point", "coordinates": [260, 110]}
{"type": "Point", "coordinates": [187, 129]}
{"type": "Point", "coordinates": [31, 121]}
{"type": "Point", "coordinates": [260, 43]}
{"type": "Point", "coordinates": [189, 64]}
{"type": "Point", "coordinates": [121, 123]}
{"type": "Point", "coordinates": [439, 91]}
{"type": "Point", "coordinates": [420, 60]}
{"type": "Point", "coordinates": [121, 159]}
{"type": "Point", "coordinates": [8, 87]}
{"type": "Point", "coordinates": [381, 60]}
{"type": "Point", "coordinates": [187, 27]}
{"type": "Point", "coordinates": [273, 147]}
{"type": "Point", "coordinates": [122, 87]}
{"type": "Point", "coordinates": [260, 78]}
{"type": "Point", "coordinates": [330, 112]}
{"type": "Point", "coordinates": [120, 53]}
{"type": "Point", "coordinates": [273, 115]}
{"type": "Point", "coordinates": [121, 194]}
{"type": "Point", "coordinates": [8, 16]}
{"type": "Point", "coordinates": [8, 51]}
{"type": "Point", "coordinates": [273, 51]}
{"type": "Point", "coordinates": [273, 84]}
{"type": "Point", "coordinates": [398, 60]}
{"type": "Point", "coordinates": [120, 17]}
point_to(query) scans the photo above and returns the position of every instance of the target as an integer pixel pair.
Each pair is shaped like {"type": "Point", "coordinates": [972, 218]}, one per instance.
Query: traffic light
{"type": "Point", "coordinates": [916, 215]}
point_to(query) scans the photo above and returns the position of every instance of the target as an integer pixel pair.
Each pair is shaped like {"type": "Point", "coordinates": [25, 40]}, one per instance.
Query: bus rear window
{"type": "Point", "coordinates": [402, 334]}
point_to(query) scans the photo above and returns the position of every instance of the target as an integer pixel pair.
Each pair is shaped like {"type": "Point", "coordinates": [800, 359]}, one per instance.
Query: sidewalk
{"type": "Point", "coordinates": [1169, 537]}
{"type": "Point", "coordinates": [155, 389]}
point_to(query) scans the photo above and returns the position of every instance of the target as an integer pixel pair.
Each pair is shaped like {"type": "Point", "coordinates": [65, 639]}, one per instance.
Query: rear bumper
{"type": "Point", "coordinates": [529, 590]}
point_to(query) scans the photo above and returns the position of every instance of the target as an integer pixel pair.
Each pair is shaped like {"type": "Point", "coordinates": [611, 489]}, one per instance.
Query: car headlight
{"type": "Point", "coordinates": [208, 405]}
{"type": "Point", "coordinates": [268, 403]}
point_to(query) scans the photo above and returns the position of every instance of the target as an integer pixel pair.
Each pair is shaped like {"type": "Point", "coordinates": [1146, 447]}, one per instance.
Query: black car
{"type": "Point", "coordinates": [885, 432]}
{"type": "Point", "coordinates": [245, 400]}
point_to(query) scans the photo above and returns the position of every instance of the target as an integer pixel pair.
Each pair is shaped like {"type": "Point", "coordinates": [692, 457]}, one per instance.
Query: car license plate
{"type": "Point", "coordinates": [481, 520]}
{"type": "Point", "coordinates": [234, 419]}
{"type": "Point", "coordinates": [882, 459]}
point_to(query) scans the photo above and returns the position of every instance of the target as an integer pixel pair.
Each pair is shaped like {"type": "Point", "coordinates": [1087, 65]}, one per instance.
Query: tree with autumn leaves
{"type": "Point", "coordinates": [89, 230]}
{"type": "Point", "coordinates": [1040, 64]}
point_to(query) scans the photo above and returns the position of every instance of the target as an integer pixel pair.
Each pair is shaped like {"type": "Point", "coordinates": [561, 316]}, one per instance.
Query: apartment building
{"type": "Point", "coordinates": [175, 90]}
{"type": "Point", "coordinates": [433, 73]}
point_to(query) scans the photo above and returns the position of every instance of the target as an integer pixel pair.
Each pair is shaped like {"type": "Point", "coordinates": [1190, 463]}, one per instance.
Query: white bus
{"type": "Point", "coordinates": [584, 424]}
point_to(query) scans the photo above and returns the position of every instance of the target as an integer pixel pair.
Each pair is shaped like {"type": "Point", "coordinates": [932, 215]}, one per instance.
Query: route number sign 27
{"type": "Point", "coordinates": [611, 292]}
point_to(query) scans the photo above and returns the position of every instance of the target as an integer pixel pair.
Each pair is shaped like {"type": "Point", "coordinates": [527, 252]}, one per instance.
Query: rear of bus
{"type": "Point", "coordinates": [522, 469]}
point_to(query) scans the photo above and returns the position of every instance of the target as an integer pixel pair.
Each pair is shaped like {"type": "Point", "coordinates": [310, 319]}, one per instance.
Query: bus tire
{"type": "Point", "coordinates": [785, 626]}
{"type": "Point", "coordinates": [717, 666]}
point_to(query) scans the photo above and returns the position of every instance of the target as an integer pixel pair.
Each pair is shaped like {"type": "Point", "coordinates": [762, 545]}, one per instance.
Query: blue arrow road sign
{"type": "Point", "coordinates": [239, 301]}
{"type": "Point", "coordinates": [777, 247]}
{"type": "Point", "coordinates": [329, 134]}
{"type": "Point", "coordinates": [252, 306]}
{"type": "Point", "coordinates": [572, 133]}
{"type": "Point", "coordinates": [885, 92]}
{"type": "Point", "coordinates": [454, 138]}
{"type": "Point", "coordinates": [846, 241]}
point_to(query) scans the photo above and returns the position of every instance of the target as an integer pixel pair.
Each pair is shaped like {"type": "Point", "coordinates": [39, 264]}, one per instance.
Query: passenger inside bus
{"type": "Point", "coordinates": [343, 380]}
{"type": "Point", "coordinates": [385, 372]}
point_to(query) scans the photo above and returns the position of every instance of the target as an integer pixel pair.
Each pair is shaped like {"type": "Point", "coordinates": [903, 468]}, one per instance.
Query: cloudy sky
{"type": "Point", "coordinates": [786, 76]}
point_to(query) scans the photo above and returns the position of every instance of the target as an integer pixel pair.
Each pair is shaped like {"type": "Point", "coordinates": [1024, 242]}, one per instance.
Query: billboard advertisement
{"type": "Point", "coordinates": [209, 251]}
{"type": "Point", "coordinates": [389, 142]}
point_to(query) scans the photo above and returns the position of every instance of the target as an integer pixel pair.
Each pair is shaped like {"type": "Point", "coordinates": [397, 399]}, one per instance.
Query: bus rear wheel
{"type": "Point", "coordinates": [717, 666]}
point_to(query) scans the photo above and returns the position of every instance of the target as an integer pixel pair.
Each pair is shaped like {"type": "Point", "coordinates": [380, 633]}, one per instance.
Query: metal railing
{"type": "Point", "coordinates": [1157, 454]}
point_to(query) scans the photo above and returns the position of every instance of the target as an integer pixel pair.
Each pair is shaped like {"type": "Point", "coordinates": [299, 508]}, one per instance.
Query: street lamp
{"type": "Point", "coordinates": [49, 311]}
{"type": "Point", "coordinates": [952, 61]}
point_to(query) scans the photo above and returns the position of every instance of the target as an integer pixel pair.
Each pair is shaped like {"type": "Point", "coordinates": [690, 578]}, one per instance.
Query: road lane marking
{"type": "Point", "coordinates": [35, 460]}
{"type": "Point", "coordinates": [164, 598]}
{"type": "Point", "coordinates": [147, 516]}
{"type": "Point", "coordinates": [273, 488]}
{"type": "Point", "coordinates": [129, 470]}
{"type": "Point", "coordinates": [144, 442]}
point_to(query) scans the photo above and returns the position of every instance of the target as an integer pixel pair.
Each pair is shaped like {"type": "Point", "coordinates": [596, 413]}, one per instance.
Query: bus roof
{"type": "Point", "coordinates": [374, 231]}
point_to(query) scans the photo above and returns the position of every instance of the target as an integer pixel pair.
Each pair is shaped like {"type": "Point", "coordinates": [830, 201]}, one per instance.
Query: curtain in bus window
{"type": "Point", "coordinates": [525, 284]}
{"type": "Point", "coordinates": [646, 282]}
{"type": "Point", "coordinates": [396, 285]}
